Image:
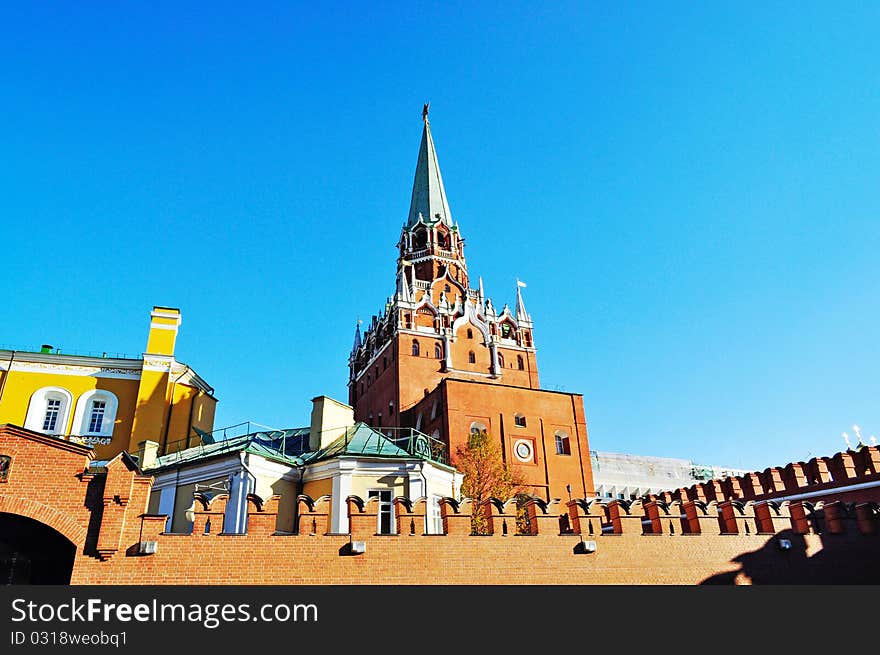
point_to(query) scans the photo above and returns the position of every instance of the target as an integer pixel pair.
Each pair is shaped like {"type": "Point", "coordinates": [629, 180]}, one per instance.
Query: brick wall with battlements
{"type": "Point", "coordinates": [573, 542]}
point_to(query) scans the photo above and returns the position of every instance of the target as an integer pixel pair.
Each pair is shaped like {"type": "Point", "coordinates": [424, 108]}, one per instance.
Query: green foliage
{"type": "Point", "coordinates": [485, 476]}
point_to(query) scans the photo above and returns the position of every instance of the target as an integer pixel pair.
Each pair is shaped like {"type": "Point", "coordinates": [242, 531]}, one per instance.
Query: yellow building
{"type": "Point", "coordinates": [109, 403]}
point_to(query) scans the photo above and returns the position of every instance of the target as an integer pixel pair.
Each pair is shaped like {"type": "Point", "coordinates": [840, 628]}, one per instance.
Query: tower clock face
{"type": "Point", "coordinates": [523, 450]}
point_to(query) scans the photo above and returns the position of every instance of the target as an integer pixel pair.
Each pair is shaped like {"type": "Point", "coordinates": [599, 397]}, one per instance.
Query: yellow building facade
{"type": "Point", "coordinates": [110, 403]}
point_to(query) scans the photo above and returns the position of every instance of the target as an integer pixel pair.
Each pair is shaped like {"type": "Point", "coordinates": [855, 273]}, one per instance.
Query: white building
{"type": "Point", "coordinates": [625, 476]}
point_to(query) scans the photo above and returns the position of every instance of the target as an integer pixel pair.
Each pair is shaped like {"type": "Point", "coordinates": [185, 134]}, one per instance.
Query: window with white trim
{"type": "Point", "coordinates": [385, 518]}
{"type": "Point", "coordinates": [435, 519]}
{"type": "Point", "coordinates": [53, 408]}
{"type": "Point", "coordinates": [96, 417]}
{"type": "Point", "coordinates": [49, 410]}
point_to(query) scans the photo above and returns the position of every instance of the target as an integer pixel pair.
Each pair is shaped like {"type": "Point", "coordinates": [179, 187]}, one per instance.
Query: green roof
{"type": "Point", "coordinates": [280, 445]}
{"type": "Point", "coordinates": [360, 440]}
{"type": "Point", "coordinates": [292, 446]}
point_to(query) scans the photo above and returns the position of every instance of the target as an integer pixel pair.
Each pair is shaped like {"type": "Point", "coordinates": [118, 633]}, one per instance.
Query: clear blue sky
{"type": "Point", "coordinates": [690, 193]}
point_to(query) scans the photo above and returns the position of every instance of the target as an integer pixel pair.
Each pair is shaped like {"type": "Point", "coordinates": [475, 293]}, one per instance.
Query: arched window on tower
{"type": "Point", "coordinates": [438, 351]}
{"type": "Point", "coordinates": [470, 334]}
{"type": "Point", "coordinates": [477, 427]}
{"type": "Point", "coordinates": [415, 348]}
{"type": "Point", "coordinates": [563, 446]}
{"type": "Point", "coordinates": [500, 360]}
{"type": "Point", "coordinates": [519, 363]}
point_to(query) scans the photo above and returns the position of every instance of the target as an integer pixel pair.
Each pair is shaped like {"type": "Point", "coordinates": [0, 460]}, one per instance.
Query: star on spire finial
{"type": "Point", "coordinates": [425, 111]}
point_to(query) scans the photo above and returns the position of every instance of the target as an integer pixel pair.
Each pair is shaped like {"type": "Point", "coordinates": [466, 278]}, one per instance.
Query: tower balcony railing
{"type": "Point", "coordinates": [417, 444]}
{"type": "Point", "coordinates": [437, 252]}
{"type": "Point", "coordinates": [423, 284]}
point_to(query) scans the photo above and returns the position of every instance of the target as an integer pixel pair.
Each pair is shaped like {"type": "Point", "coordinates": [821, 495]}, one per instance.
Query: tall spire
{"type": "Point", "coordinates": [357, 337]}
{"type": "Point", "coordinates": [428, 194]}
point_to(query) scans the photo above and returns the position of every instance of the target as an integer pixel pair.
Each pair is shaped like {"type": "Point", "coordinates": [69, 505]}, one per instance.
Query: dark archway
{"type": "Point", "coordinates": [33, 553]}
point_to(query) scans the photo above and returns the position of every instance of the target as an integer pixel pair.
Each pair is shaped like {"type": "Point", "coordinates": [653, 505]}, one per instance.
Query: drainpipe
{"type": "Point", "coordinates": [251, 488]}
{"type": "Point", "coordinates": [425, 490]}
{"type": "Point", "coordinates": [299, 491]}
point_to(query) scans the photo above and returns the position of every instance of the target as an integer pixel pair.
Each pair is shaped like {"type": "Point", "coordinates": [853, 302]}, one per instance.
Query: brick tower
{"type": "Point", "coordinates": [443, 359]}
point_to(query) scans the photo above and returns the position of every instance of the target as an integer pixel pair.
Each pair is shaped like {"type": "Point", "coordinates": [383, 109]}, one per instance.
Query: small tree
{"type": "Point", "coordinates": [485, 475]}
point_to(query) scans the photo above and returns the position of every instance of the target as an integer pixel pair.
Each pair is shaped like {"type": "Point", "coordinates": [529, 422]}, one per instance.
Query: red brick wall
{"type": "Point", "coordinates": [623, 555]}
{"type": "Point", "coordinates": [658, 543]}
{"type": "Point", "coordinates": [461, 403]}
{"type": "Point", "coordinates": [46, 480]}
{"type": "Point", "coordinates": [820, 479]}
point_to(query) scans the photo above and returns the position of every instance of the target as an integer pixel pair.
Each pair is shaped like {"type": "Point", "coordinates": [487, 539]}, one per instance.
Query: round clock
{"type": "Point", "coordinates": [523, 450]}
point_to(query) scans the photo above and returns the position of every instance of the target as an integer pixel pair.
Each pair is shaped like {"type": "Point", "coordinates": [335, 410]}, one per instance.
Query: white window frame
{"type": "Point", "coordinates": [83, 414]}
{"type": "Point", "coordinates": [36, 413]}
{"type": "Point", "coordinates": [389, 505]}
{"type": "Point", "coordinates": [435, 518]}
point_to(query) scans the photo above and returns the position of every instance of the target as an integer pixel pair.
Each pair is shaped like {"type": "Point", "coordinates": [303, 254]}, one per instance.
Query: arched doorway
{"type": "Point", "coordinates": [33, 553]}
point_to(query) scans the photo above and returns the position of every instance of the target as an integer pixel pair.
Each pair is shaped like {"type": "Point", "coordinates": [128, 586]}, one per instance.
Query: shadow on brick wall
{"type": "Point", "coordinates": [789, 558]}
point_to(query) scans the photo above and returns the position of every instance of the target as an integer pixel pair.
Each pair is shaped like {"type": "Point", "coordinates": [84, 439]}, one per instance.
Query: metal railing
{"type": "Point", "coordinates": [226, 439]}
{"type": "Point", "coordinates": [219, 438]}
{"type": "Point", "coordinates": [100, 354]}
{"type": "Point", "coordinates": [416, 443]}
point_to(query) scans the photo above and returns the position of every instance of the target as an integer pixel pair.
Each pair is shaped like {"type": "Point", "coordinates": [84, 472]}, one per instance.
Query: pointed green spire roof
{"type": "Point", "coordinates": [428, 194]}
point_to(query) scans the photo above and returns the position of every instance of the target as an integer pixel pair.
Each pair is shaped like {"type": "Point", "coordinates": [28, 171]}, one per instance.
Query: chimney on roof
{"type": "Point", "coordinates": [330, 420]}
{"type": "Point", "coordinates": [164, 324]}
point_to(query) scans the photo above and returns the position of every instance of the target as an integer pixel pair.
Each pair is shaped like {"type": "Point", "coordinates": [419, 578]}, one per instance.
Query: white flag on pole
{"type": "Point", "coordinates": [520, 283]}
